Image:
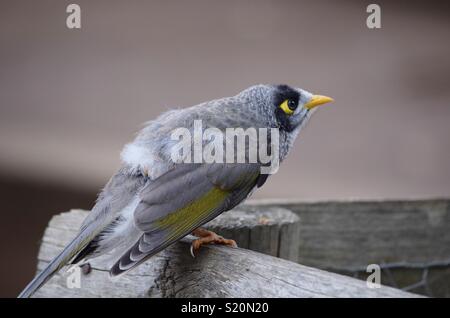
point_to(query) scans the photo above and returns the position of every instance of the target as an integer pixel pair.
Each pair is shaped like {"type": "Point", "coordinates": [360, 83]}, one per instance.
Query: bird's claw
{"type": "Point", "coordinates": [208, 237]}
{"type": "Point", "coordinates": [192, 251]}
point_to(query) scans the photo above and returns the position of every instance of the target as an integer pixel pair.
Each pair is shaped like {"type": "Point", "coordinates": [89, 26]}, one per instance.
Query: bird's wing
{"type": "Point", "coordinates": [183, 199]}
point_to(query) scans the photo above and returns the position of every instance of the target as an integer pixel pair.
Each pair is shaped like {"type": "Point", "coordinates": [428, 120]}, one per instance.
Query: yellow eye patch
{"type": "Point", "coordinates": [285, 107]}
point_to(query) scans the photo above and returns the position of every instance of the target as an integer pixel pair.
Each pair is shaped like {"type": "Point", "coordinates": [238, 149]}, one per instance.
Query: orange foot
{"type": "Point", "coordinates": [208, 237]}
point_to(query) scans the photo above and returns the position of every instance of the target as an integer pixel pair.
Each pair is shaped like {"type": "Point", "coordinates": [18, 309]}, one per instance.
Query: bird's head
{"type": "Point", "coordinates": [281, 106]}
{"type": "Point", "coordinates": [292, 107]}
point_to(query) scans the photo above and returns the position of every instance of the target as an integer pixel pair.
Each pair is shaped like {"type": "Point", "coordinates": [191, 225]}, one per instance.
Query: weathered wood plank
{"type": "Point", "coordinates": [217, 271]}
{"type": "Point", "coordinates": [349, 235]}
{"type": "Point", "coordinates": [272, 231]}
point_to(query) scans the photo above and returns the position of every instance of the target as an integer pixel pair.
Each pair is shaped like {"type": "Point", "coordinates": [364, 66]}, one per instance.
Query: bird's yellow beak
{"type": "Point", "coordinates": [317, 100]}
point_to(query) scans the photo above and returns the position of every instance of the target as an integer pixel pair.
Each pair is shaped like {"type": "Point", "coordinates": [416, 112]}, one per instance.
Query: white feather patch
{"type": "Point", "coordinates": [124, 234]}
{"type": "Point", "coordinates": [137, 156]}
{"type": "Point", "coordinates": [128, 216]}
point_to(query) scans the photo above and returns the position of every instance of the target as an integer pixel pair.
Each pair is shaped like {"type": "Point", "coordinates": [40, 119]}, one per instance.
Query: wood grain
{"type": "Point", "coordinates": [217, 271]}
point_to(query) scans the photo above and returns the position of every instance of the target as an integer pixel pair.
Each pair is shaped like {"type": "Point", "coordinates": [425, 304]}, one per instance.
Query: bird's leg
{"type": "Point", "coordinates": [86, 268]}
{"type": "Point", "coordinates": [208, 237]}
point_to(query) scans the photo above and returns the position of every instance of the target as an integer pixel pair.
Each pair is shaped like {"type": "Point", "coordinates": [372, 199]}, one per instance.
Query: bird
{"type": "Point", "coordinates": [152, 201]}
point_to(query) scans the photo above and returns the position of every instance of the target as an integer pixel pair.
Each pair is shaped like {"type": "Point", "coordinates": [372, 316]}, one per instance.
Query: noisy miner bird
{"type": "Point", "coordinates": [152, 201]}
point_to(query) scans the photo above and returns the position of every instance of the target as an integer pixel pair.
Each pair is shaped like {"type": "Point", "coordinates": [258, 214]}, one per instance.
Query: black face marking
{"type": "Point", "coordinates": [284, 92]}
{"type": "Point", "coordinates": [283, 120]}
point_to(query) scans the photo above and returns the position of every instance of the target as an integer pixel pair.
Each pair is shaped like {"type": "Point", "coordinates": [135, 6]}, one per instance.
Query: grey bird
{"type": "Point", "coordinates": [153, 201]}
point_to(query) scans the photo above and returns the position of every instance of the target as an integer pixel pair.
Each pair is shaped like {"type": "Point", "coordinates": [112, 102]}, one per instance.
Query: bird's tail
{"type": "Point", "coordinates": [72, 249]}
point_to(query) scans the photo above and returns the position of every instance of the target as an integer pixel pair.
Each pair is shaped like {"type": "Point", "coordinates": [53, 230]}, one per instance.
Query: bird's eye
{"type": "Point", "coordinates": [288, 106]}
{"type": "Point", "coordinates": [292, 104]}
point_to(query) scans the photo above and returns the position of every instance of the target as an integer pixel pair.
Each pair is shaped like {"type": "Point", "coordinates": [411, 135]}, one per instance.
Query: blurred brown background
{"type": "Point", "coordinates": [70, 99]}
